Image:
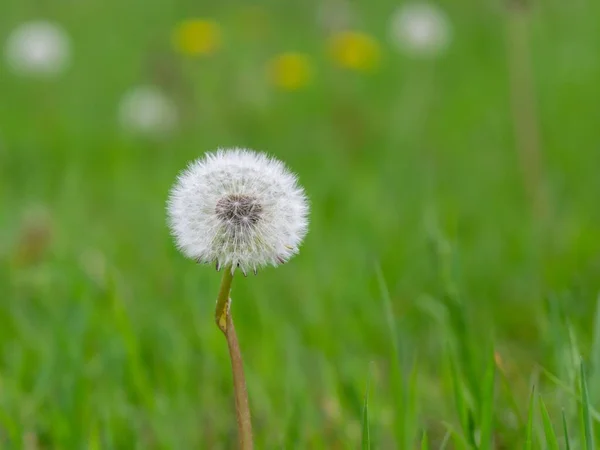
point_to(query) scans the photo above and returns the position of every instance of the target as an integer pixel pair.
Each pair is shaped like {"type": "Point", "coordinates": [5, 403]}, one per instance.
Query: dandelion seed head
{"type": "Point", "coordinates": [420, 29]}
{"type": "Point", "coordinates": [335, 15]}
{"type": "Point", "coordinates": [146, 110]}
{"type": "Point", "coordinates": [38, 48]}
{"type": "Point", "coordinates": [239, 208]}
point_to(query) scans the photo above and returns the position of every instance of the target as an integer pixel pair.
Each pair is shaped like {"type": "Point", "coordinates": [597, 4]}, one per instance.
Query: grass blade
{"type": "Point", "coordinates": [445, 441]}
{"type": "Point", "coordinates": [595, 415]}
{"type": "Point", "coordinates": [487, 405]}
{"type": "Point", "coordinates": [458, 322]}
{"type": "Point", "coordinates": [465, 416]}
{"type": "Point", "coordinates": [511, 397]}
{"type": "Point", "coordinates": [366, 437]}
{"type": "Point", "coordinates": [398, 386]}
{"type": "Point", "coordinates": [459, 401]}
{"type": "Point", "coordinates": [458, 438]}
{"type": "Point", "coordinates": [551, 439]}
{"type": "Point", "coordinates": [566, 431]}
{"type": "Point", "coordinates": [595, 354]}
{"type": "Point", "coordinates": [585, 410]}
{"type": "Point", "coordinates": [529, 435]}
{"type": "Point", "coordinates": [424, 441]}
{"type": "Point", "coordinates": [412, 401]}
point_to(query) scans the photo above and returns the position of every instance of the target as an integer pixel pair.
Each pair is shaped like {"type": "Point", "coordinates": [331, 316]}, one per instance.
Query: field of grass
{"type": "Point", "coordinates": [429, 277]}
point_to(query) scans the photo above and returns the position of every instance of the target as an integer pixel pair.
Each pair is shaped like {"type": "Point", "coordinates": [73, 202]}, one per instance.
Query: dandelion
{"type": "Point", "coordinates": [354, 50]}
{"type": "Point", "coordinates": [290, 71]}
{"type": "Point", "coordinates": [251, 90]}
{"type": "Point", "coordinates": [94, 265]}
{"type": "Point", "coordinates": [237, 209]}
{"type": "Point", "coordinates": [197, 37]}
{"type": "Point", "coordinates": [420, 30]}
{"type": "Point", "coordinates": [35, 236]}
{"type": "Point", "coordinates": [146, 110]}
{"type": "Point", "coordinates": [38, 48]}
{"type": "Point", "coordinates": [335, 15]}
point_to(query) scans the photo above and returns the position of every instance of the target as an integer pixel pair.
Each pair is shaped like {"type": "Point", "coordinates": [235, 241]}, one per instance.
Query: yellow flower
{"type": "Point", "coordinates": [290, 71]}
{"type": "Point", "coordinates": [195, 37]}
{"type": "Point", "coordinates": [354, 50]}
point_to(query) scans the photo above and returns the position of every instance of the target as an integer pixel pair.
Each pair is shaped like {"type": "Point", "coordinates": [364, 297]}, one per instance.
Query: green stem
{"type": "Point", "coordinates": [524, 113]}
{"type": "Point", "coordinates": [225, 324]}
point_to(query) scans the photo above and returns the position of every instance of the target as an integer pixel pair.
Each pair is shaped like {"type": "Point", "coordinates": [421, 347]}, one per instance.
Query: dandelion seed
{"type": "Point", "coordinates": [238, 208]}
{"type": "Point", "coordinates": [354, 50]}
{"type": "Point", "coordinates": [146, 110]}
{"type": "Point", "coordinates": [38, 48]}
{"type": "Point", "coordinates": [196, 37]}
{"type": "Point", "coordinates": [420, 29]}
{"type": "Point", "coordinates": [290, 71]}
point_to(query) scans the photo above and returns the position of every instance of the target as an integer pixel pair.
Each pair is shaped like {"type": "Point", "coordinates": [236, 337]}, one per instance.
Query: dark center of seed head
{"type": "Point", "coordinates": [238, 210]}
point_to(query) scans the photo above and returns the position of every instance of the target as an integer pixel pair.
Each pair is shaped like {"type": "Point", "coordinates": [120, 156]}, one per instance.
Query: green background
{"type": "Point", "coordinates": [424, 255]}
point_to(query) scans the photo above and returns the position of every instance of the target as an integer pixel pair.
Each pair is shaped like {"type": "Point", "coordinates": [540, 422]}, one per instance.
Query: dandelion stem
{"type": "Point", "coordinates": [224, 321]}
{"type": "Point", "coordinates": [244, 420]}
{"type": "Point", "coordinates": [524, 113]}
{"type": "Point", "coordinates": [222, 308]}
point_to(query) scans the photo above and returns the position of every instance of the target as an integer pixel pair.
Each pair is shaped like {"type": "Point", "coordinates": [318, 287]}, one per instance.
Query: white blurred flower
{"type": "Point", "coordinates": [94, 265]}
{"type": "Point", "coordinates": [146, 110]}
{"type": "Point", "coordinates": [238, 208]}
{"type": "Point", "coordinates": [251, 90]}
{"type": "Point", "coordinates": [38, 48]}
{"type": "Point", "coordinates": [335, 15]}
{"type": "Point", "coordinates": [421, 29]}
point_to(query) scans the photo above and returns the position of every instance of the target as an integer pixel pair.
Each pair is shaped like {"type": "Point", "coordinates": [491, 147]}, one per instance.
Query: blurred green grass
{"type": "Point", "coordinates": [419, 221]}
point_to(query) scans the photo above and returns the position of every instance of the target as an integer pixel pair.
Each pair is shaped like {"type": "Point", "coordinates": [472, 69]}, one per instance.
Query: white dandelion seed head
{"type": "Point", "coordinates": [146, 110]}
{"type": "Point", "coordinates": [238, 208]}
{"type": "Point", "coordinates": [420, 29]}
{"type": "Point", "coordinates": [38, 48]}
{"type": "Point", "coordinates": [252, 91]}
{"type": "Point", "coordinates": [335, 15]}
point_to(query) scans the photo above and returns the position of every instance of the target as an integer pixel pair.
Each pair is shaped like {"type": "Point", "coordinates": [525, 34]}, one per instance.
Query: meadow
{"type": "Point", "coordinates": [446, 295]}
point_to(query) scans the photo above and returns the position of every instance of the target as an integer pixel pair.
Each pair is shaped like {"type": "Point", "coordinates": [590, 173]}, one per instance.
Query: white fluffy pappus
{"type": "Point", "coordinates": [420, 29]}
{"type": "Point", "coordinates": [146, 110]}
{"type": "Point", "coordinates": [238, 208]}
{"type": "Point", "coordinates": [38, 48]}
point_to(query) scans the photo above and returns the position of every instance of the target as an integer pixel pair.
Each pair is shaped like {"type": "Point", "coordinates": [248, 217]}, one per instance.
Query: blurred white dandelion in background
{"type": "Point", "coordinates": [146, 110]}
{"type": "Point", "coordinates": [421, 29]}
{"type": "Point", "coordinates": [335, 15]}
{"type": "Point", "coordinates": [252, 91]}
{"type": "Point", "coordinates": [38, 48]}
